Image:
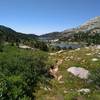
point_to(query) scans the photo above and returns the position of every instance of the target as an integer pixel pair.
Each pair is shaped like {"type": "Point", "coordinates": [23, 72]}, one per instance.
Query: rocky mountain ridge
{"type": "Point", "coordinates": [92, 26]}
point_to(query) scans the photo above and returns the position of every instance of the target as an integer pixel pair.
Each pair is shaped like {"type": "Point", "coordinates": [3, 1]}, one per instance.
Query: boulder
{"type": "Point", "coordinates": [79, 72]}
{"type": "Point", "coordinates": [98, 46]}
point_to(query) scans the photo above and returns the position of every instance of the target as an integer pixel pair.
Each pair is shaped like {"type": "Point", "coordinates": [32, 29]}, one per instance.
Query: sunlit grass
{"type": "Point", "coordinates": [70, 85]}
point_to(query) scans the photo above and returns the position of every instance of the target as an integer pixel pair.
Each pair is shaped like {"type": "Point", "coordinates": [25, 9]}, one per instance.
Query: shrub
{"type": "Point", "coordinates": [20, 73]}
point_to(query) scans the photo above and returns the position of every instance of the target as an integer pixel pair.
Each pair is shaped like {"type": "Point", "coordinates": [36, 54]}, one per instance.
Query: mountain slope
{"type": "Point", "coordinates": [91, 26]}
{"type": "Point", "coordinates": [49, 36]}
{"type": "Point", "coordinates": [8, 34]}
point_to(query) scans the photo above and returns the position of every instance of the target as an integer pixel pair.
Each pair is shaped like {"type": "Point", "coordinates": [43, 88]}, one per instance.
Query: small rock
{"type": "Point", "coordinates": [55, 69]}
{"type": "Point", "coordinates": [77, 49]}
{"type": "Point", "coordinates": [71, 51]}
{"type": "Point", "coordinates": [78, 58]}
{"type": "Point", "coordinates": [49, 89]}
{"type": "Point", "coordinates": [84, 90]}
{"type": "Point", "coordinates": [59, 78]}
{"type": "Point", "coordinates": [86, 47]}
{"type": "Point", "coordinates": [98, 46]}
{"type": "Point", "coordinates": [52, 54]}
{"type": "Point", "coordinates": [65, 91]}
{"type": "Point", "coordinates": [24, 47]}
{"type": "Point", "coordinates": [60, 51]}
{"type": "Point", "coordinates": [88, 54]}
{"type": "Point", "coordinates": [45, 88]}
{"type": "Point", "coordinates": [61, 82]}
{"type": "Point", "coordinates": [94, 59]}
{"type": "Point", "coordinates": [99, 53]}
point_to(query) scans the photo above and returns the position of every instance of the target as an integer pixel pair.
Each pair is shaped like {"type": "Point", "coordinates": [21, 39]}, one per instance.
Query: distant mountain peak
{"type": "Point", "coordinates": [97, 17]}
{"type": "Point", "coordinates": [92, 26]}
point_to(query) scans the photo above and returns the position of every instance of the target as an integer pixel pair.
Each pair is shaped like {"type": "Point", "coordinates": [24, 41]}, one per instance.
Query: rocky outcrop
{"type": "Point", "coordinates": [92, 26]}
{"type": "Point", "coordinates": [54, 70]}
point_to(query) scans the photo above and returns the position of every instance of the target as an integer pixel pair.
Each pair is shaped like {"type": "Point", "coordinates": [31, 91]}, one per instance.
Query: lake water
{"type": "Point", "coordinates": [67, 46]}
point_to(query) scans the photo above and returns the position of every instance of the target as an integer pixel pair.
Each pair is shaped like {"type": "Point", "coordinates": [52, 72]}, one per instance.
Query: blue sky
{"type": "Point", "coordinates": [43, 16]}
